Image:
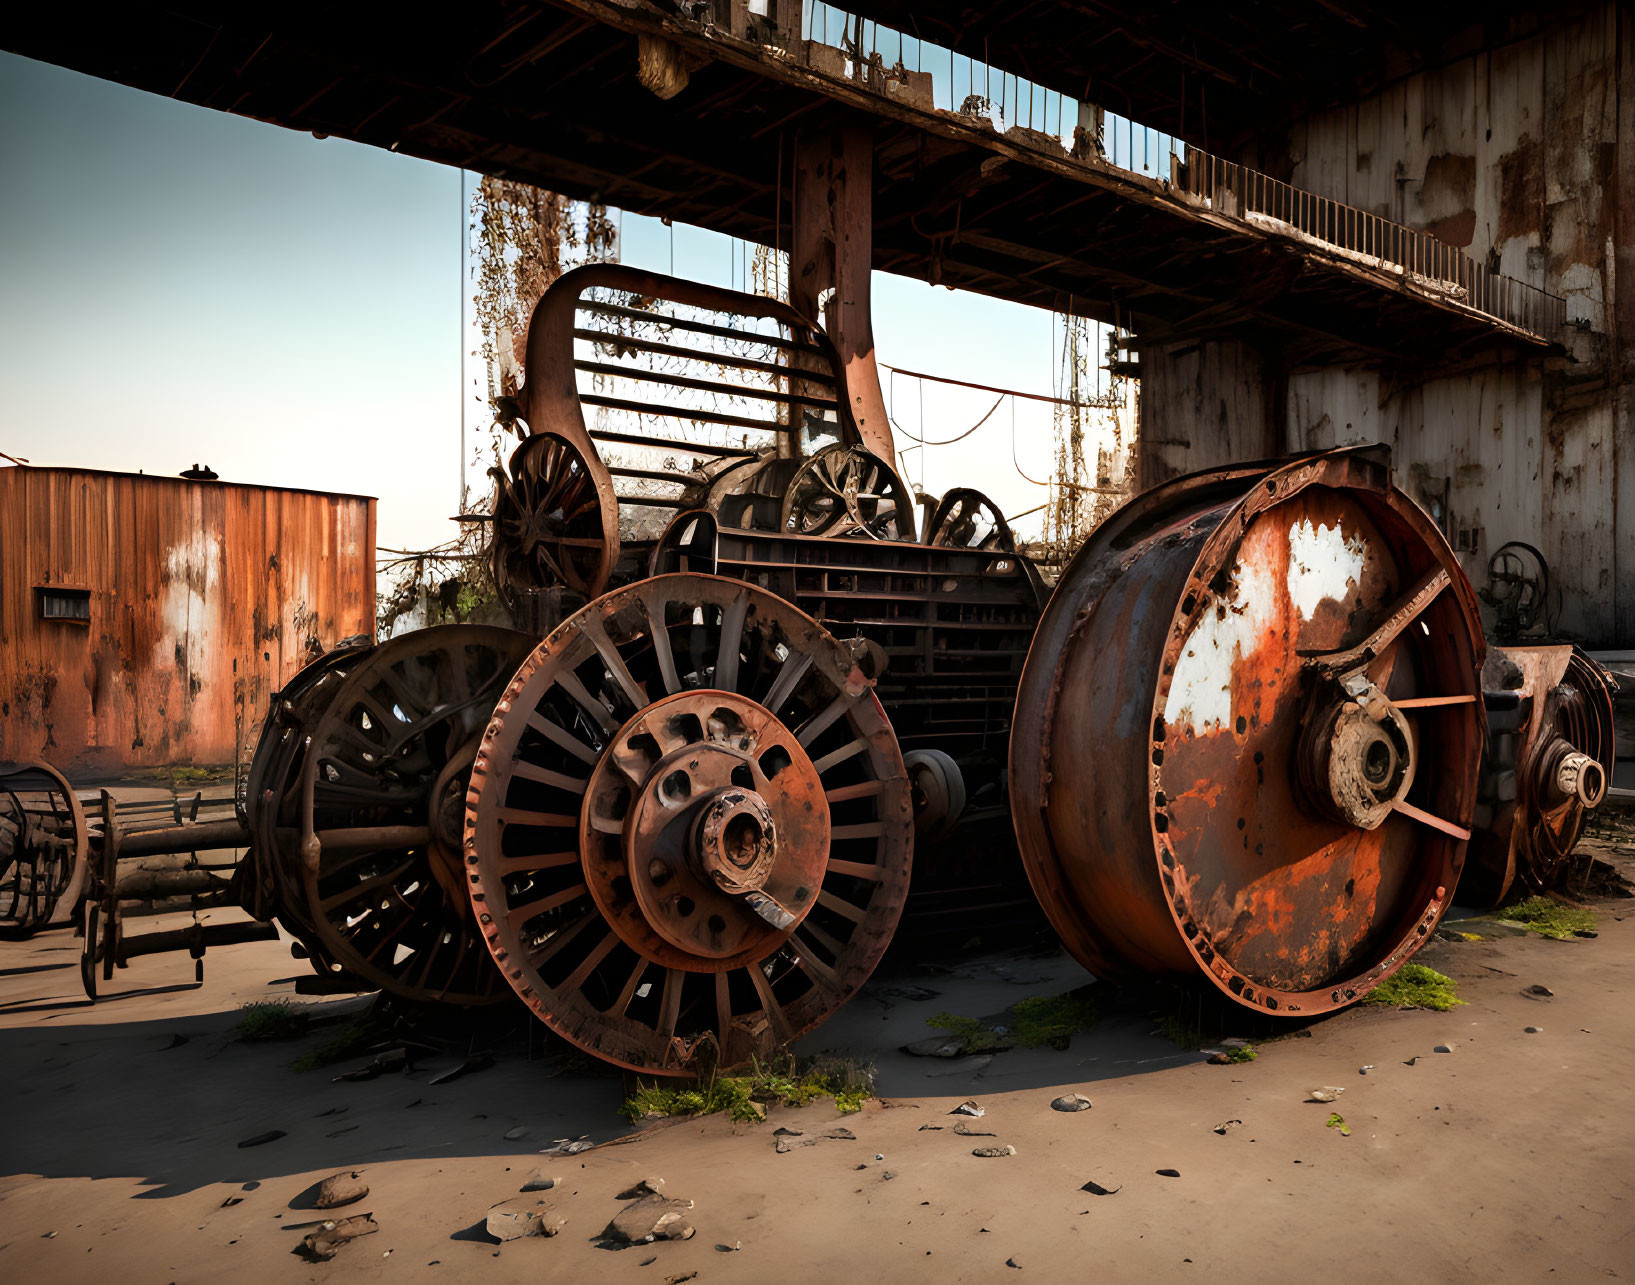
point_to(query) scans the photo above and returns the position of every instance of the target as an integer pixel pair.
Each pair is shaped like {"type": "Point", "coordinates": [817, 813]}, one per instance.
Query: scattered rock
{"type": "Point", "coordinates": [339, 1189]}
{"type": "Point", "coordinates": [886, 1175]}
{"type": "Point", "coordinates": [1443, 1048]}
{"type": "Point", "coordinates": [1071, 1102]}
{"type": "Point", "coordinates": [1328, 1093]}
{"type": "Point", "coordinates": [1226, 1126]}
{"type": "Point", "coordinates": [1167, 1173]}
{"type": "Point", "coordinates": [783, 1131]}
{"type": "Point", "coordinates": [567, 1147]}
{"type": "Point", "coordinates": [965, 1132]}
{"type": "Point", "coordinates": [1364, 1070]}
{"type": "Point", "coordinates": [839, 1134]}
{"type": "Point", "coordinates": [936, 1046]}
{"type": "Point", "coordinates": [1013, 1261]}
{"type": "Point", "coordinates": [732, 1248]}
{"type": "Point", "coordinates": [1539, 992]}
{"type": "Point", "coordinates": [646, 1187]}
{"type": "Point", "coordinates": [328, 1240]}
{"type": "Point", "coordinates": [880, 1155]}
{"type": "Point", "coordinates": [988, 1153]}
{"type": "Point", "coordinates": [516, 1218]}
{"type": "Point", "coordinates": [651, 1218]}
{"type": "Point", "coordinates": [924, 1127]}
{"type": "Point", "coordinates": [272, 1135]}
{"type": "Point", "coordinates": [1535, 1030]}
{"type": "Point", "coordinates": [968, 1107]}
{"type": "Point", "coordinates": [537, 1181]}
{"type": "Point", "coordinates": [781, 1146]}
{"type": "Point", "coordinates": [1096, 1189]}
{"type": "Point", "coordinates": [521, 1131]}
{"type": "Point", "coordinates": [1413, 1061]}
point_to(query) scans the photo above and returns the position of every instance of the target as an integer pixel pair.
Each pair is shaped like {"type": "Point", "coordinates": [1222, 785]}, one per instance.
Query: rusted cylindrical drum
{"type": "Point", "coordinates": [1248, 733]}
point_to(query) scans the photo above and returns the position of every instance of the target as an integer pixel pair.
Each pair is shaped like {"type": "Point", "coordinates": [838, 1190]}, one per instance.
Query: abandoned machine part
{"type": "Point", "coordinates": [1248, 734]}
{"type": "Point", "coordinates": [43, 852]}
{"type": "Point", "coordinates": [844, 490]}
{"type": "Point", "coordinates": [358, 805]}
{"type": "Point", "coordinates": [938, 792]}
{"type": "Point", "coordinates": [967, 519]}
{"type": "Point", "coordinates": [688, 832]}
{"type": "Point", "coordinates": [555, 521]}
{"type": "Point", "coordinates": [1549, 761]}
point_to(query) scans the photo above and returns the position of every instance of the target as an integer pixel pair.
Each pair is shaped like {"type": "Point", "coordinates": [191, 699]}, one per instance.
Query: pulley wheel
{"type": "Point", "coordinates": [1248, 733]}
{"type": "Point", "coordinates": [845, 490]}
{"type": "Point", "coordinates": [688, 832]}
{"type": "Point", "coordinates": [43, 848]}
{"type": "Point", "coordinates": [556, 520]}
{"type": "Point", "coordinates": [372, 863]}
{"type": "Point", "coordinates": [968, 519]}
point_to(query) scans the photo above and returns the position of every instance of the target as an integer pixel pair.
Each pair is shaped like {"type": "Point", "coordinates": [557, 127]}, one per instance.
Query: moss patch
{"type": "Point", "coordinates": [1243, 1053]}
{"type": "Point", "coordinates": [1040, 1021]}
{"type": "Point", "coordinates": [1416, 986]}
{"type": "Point", "coordinates": [746, 1097]}
{"type": "Point", "coordinates": [276, 1019]}
{"type": "Point", "coordinates": [1550, 918]}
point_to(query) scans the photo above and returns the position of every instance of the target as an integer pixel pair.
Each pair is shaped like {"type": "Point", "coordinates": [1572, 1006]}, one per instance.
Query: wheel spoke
{"type": "Point", "coordinates": [732, 634]}
{"type": "Point", "coordinates": [1425, 818]}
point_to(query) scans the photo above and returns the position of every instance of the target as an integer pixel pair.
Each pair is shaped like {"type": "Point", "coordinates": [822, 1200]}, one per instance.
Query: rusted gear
{"type": "Point", "coordinates": [43, 848]}
{"type": "Point", "coordinates": [1247, 736]}
{"type": "Point", "coordinates": [556, 520]}
{"type": "Point", "coordinates": [844, 490]}
{"type": "Point", "coordinates": [1550, 754]}
{"type": "Point", "coordinates": [688, 832]}
{"type": "Point", "coordinates": [967, 519]}
{"type": "Point", "coordinates": [364, 810]}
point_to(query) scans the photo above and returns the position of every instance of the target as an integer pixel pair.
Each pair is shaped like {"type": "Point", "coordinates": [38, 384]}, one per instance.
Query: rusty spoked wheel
{"type": "Point", "coordinates": [968, 519]}
{"type": "Point", "coordinates": [1248, 733]}
{"type": "Point", "coordinates": [43, 848]}
{"type": "Point", "coordinates": [371, 867]}
{"type": "Point", "coordinates": [556, 520]}
{"type": "Point", "coordinates": [689, 831]}
{"type": "Point", "coordinates": [845, 490]}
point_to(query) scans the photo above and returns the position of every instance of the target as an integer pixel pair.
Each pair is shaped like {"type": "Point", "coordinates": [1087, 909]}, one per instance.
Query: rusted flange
{"type": "Point", "coordinates": [688, 831]}
{"type": "Point", "coordinates": [1247, 735]}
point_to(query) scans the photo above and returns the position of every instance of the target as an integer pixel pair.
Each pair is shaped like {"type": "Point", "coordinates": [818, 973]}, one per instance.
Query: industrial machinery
{"type": "Point", "coordinates": [42, 848]}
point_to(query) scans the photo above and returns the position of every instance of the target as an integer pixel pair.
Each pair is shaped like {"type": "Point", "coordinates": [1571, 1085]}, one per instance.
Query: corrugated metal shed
{"type": "Point", "coordinates": [145, 620]}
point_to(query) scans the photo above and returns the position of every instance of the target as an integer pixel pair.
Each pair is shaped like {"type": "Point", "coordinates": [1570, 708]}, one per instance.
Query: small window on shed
{"type": "Point", "coordinates": [63, 604]}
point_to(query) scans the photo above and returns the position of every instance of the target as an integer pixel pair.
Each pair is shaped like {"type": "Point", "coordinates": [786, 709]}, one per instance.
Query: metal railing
{"type": "Point", "coordinates": [1434, 266]}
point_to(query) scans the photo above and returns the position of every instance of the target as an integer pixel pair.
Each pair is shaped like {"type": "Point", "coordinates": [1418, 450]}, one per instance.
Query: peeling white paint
{"type": "Point", "coordinates": [1200, 691]}
{"type": "Point", "coordinates": [189, 608]}
{"type": "Point", "coordinates": [1323, 562]}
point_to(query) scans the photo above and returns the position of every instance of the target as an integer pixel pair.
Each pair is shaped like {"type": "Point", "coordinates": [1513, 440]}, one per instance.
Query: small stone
{"type": "Point", "coordinates": [1226, 1126]}
{"type": "Point", "coordinates": [732, 1248]}
{"type": "Point", "coordinates": [1539, 992]}
{"type": "Point", "coordinates": [511, 1135]}
{"type": "Point", "coordinates": [1535, 1030]}
{"type": "Point", "coordinates": [1014, 1261]}
{"type": "Point", "coordinates": [339, 1189]}
{"type": "Point", "coordinates": [1167, 1173]}
{"type": "Point", "coordinates": [1413, 1061]}
{"type": "Point", "coordinates": [839, 1134]}
{"type": "Point", "coordinates": [783, 1131]}
{"type": "Point", "coordinates": [879, 1155]}
{"type": "Point", "coordinates": [1328, 1093]}
{"type": "Point", "coordinates": [968, 1107]}
{"type": "Point", "coordinates": [1364, 1070]}
{"type": "Point", "coordinates": [328, 1240]}
{"type": "Point", "coordinates": [646, 1187]}
{"type": "Point", "coordinates": [1096, 1189]}
{"type": "Point", "coordinates": [516, 1218]}
{"type": "Point", "coordinates": [1071, 1102]}
{"type": "Point", "coordinates": [781, 1146]}
{"type": "Point", "coordinates": [537, 1181]}
{"type": "Point", "coordinates": [989, 1153]}
{"type": "Point", "coordinates": [886, 1175]}
{"type": "Point", "coordinates": [1443, 1048]}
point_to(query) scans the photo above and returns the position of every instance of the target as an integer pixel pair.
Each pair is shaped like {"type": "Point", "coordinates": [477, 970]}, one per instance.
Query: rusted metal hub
{"type": "Point", "coordinates": [722, 861]}
{"type": "Point", "coordinates": [1570, 774]}
{"type": "Point", "coordinates": [1357, 755]}
{"type": "Point", "coordinates": [1248, 732]}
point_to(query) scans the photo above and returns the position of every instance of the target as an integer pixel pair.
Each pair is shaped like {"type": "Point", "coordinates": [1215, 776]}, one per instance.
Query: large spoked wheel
{"type": "Point", "coordinates": [689, 829]}
{"type": "Point", "coordinates": [556, 520]}
{"type": "Point", "coordinates": [967, 519]}
{"type": "Point", "coordinates": [845, 490]}
{"type": "Point", "coordinates": [43, 857]}
{"type": "Point", "coordinates": [371, 867]}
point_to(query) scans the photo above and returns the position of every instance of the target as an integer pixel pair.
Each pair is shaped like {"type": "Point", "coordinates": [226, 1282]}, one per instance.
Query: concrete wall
{"type": "Point", "coordinates": [1523, 156]}
{"type": "Point", "coordinates": [204, 599]}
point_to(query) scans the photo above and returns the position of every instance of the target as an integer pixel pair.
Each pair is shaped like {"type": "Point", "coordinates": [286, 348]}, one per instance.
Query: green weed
{"type": "Point", "coordinates": [1550, 918]}
{"type": "Point", "coordinates": [746, 1097]}
{"type": "Point", "coordinates": [1416, 986]}
{"type": "Point", "coordinates": [276, 1019]}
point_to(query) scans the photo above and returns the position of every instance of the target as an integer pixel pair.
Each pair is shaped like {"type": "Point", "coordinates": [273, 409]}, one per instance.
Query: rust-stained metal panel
{"type": "Point", "coordinates": [203, 598]}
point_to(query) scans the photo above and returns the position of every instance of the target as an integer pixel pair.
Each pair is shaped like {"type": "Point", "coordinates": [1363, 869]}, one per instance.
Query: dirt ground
{"type": "Point", "coordinates": [1511, 1156]}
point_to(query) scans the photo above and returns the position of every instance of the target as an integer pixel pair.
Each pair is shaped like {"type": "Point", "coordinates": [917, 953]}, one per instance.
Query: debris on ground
{"type": "Point", "coordinates": [966, 1131]}
{"type": "Point", "coordinates": [1167, 1173]}
{"type": "Point", "coordinates": [651, 1218]}
{"type": "Point", "coordinates": [1328, 1093]}
{"type": "Point", "coordinates": [969, 1107]}
{"type": "Point", "coordinates": [989, 1153]}
{"type": "Point", "coordinates": [1226, 1126]}
{"type": "Point", "coordinates": [568, 1146]}
{"type": "Point", "coordinates": [1096, 1189]}
{"type": "Point", "coordinates": [331, 1237]}
{"type": "Point", "coordinates": [646, 1187]}
{"type": "Point", "coordinates": [1071, 1102]}
{"type": "Point", "coordinates": [344, 1188]}
{"type": "Point", "coordinates": [537, 1181]}
{"type": "Point", "coordinates": [1535, 1030]}
{"type": "Point", "coordinates": [1337, 1121]}
{"type": "Point", "coordinates": [1443, 1048]}
{"type": "Point", "coordinates": [519, 1217]}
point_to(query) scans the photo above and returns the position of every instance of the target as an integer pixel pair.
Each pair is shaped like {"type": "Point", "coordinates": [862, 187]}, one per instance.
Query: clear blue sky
{"type": "Point", "coordinates": [181, 285]}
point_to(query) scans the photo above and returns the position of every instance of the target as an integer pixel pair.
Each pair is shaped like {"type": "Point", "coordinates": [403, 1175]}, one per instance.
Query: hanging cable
{"type": "Point", "coordinates": [950, 441]}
